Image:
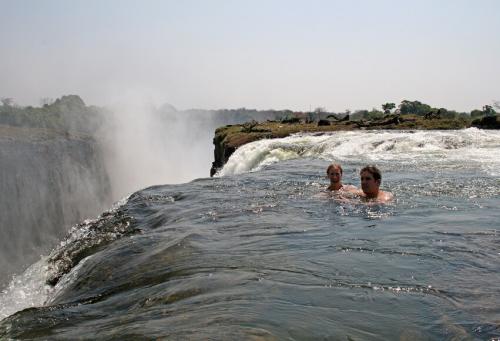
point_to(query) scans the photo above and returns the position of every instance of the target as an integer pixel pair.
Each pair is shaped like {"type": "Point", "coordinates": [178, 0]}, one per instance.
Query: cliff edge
{"type": "Point", "coordinates": [228, 138]}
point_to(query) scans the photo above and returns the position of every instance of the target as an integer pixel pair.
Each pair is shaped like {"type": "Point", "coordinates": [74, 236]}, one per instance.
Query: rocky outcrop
{"type": "Point", "coordinates": [487, 122]}
{"type": "Point", "coordinates": [227, 139]}
{"type": "Point", "coordinates": [230, 137]}
{"type": "Point", "coordinates": [222, 151]}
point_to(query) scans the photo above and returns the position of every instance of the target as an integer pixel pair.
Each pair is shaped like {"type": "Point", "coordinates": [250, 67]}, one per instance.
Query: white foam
{"type": "Point", "coordinates": [26, 290]}
{"type": "Point", "coordinates": [30, 289]}
{"type": "Point", "coordinates": [467, 145]}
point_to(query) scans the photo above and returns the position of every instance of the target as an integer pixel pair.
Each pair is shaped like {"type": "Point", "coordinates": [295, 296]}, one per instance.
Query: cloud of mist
{"type": "Point", "coordinates": [55, 179]}
{"type": "Point", "coordinates": [145, 145]}
{"type": "Point", "coordinates": [50, 182]}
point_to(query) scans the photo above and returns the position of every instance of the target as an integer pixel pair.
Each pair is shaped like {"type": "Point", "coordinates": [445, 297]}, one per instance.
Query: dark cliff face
{"type": "Point", "coordinates": [487, 122]}
{"type": "Point", "coordinates": [49, 181]}
{"type": "Point", "coordinates": [222, 152]}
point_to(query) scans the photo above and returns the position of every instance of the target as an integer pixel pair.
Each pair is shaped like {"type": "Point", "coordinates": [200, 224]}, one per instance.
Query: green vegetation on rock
{"type": "Point", "coordinates": [68, 113]}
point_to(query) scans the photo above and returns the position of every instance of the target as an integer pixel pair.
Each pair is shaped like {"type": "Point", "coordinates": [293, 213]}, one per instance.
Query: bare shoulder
{"type": "Point", "coordinates": [385, 196]}
{"type": "Point", "coordinates": [350, 188]}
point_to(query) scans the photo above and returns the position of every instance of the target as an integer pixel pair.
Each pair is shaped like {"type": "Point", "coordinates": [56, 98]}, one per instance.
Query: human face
{"type": "Point", "coordinates": [335, 175]}
{"type": "Point", "coordinates": [368, 183]}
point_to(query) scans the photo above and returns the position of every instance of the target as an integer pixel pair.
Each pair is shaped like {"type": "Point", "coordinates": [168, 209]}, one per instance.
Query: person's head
{"type": "Point", "coordinates": [334, 172]}
{"type": "Point", "coordinates": [370, 180]}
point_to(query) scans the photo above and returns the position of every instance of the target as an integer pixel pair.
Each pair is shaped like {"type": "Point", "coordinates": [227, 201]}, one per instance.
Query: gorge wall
{"type": "Point", "coordinates": [49, 181]}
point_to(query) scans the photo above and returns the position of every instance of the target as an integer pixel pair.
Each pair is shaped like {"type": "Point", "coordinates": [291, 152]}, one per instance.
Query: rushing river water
{"type": "Point", "coordinates": [260, 253]}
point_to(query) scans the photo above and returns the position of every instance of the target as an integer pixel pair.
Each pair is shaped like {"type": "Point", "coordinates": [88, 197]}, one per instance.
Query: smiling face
{"type": "Point", "coordinates": [334, 173]}
{"type": "Point", "coordinates": [369, 185]}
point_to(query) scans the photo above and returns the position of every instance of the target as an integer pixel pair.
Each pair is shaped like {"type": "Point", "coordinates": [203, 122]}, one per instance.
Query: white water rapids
{"type": "Point", "coordinates": [474, 145]}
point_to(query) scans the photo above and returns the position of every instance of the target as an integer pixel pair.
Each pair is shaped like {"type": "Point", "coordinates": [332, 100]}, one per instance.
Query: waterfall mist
{"type": "Point", "coordinates": [99, 156]}
{"type": "Point", "coordinates": [53, 178]}
{"type": "Point", "coordinates": [146, 145]}
{"type": "Point", "coordinates": [49, 183]}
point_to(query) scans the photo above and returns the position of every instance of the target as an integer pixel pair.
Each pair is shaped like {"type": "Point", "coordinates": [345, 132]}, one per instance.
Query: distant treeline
{"type": "Point", "coordinates": [69, 113]}
{"type": "Point", "coordinates": [406, 107]}
{"type": "Point", "coordinates": [421, 109]}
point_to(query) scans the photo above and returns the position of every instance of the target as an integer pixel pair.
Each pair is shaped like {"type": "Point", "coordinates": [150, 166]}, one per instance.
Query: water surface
{"type": "Point", "coordinates": [261, 255]}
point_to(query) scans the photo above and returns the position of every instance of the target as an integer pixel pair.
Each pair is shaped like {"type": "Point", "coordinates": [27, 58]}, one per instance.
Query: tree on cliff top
{"type": "Point", "coordinates": [67, 113]}
{"type": "Point", "coordinates": [387, 107]}
{"type": "Point", "coordinates": [487, 111]}
{"type": "Point", "coordinates": [414, 107]}
{"type": "Point", "coordinates": [7, 102]}
{"type": "Point", "coordinates": [69, 103]}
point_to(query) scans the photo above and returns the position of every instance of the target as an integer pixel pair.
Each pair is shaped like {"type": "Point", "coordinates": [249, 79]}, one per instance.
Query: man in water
{"type": "Point", "coordinates": [370, 183]}
{"type": "Point", "coordinates": [334, 173]}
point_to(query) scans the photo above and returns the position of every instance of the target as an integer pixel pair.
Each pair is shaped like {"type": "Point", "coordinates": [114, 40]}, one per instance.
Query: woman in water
{"type": "Point", "coordinates": [334, 172]}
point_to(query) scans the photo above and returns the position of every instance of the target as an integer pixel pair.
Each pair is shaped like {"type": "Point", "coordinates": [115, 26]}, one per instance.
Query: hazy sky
{"type": "Point", "coordinates": [254, 54]}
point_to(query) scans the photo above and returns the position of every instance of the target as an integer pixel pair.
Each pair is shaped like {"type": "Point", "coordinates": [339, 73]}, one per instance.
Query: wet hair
{"type": "Point", "coordinates": [334, 165]}
{"type": "Point", "coordinates": [373, 170]}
